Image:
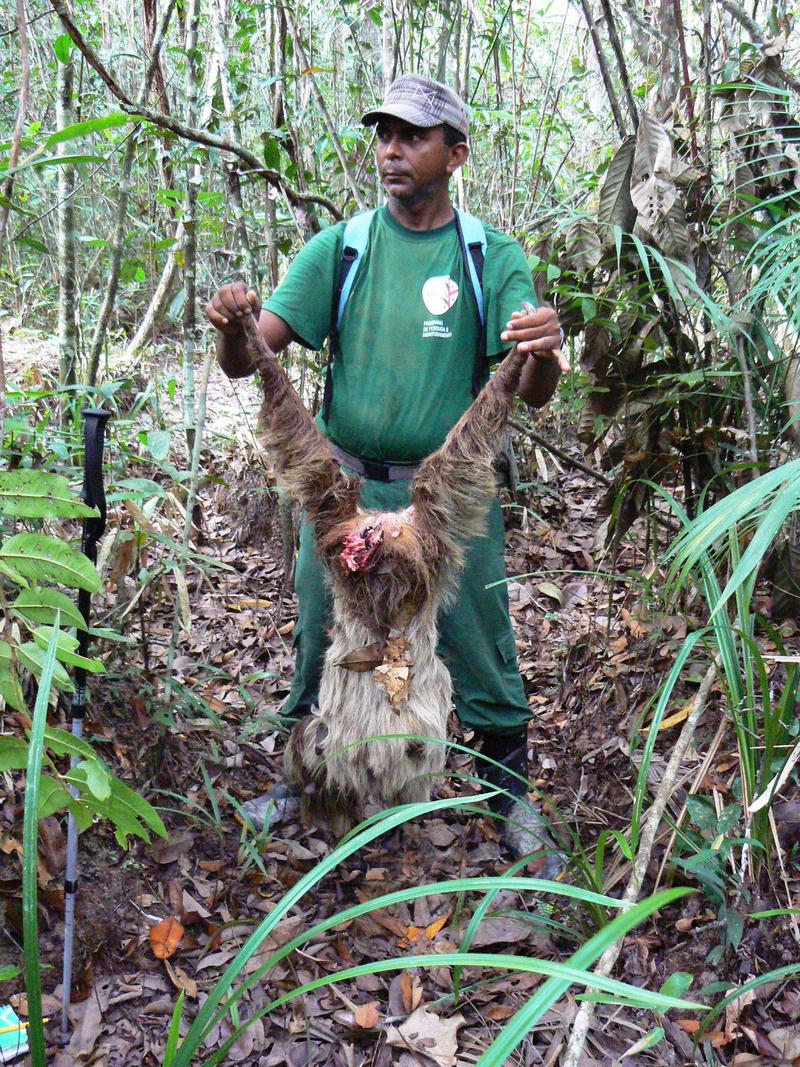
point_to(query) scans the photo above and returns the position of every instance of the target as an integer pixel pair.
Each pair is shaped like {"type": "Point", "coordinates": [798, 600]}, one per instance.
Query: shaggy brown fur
{"type": "Point", "coordinates": [389, 573]}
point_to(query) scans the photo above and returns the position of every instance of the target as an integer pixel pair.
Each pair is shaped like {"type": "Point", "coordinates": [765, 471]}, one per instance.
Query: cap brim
{"type": "Point", "coordinates": [400, 111]}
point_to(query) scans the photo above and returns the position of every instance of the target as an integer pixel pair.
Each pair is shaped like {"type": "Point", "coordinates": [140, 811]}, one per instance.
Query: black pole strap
{"type": "Point", "coordinates": [93, 494]}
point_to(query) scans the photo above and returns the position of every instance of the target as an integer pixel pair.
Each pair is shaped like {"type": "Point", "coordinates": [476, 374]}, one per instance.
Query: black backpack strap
{"type": "Point", "coordinates": [349, 256]}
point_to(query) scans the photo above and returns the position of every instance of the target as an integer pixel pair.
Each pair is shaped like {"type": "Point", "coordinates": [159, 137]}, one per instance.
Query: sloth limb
{"type": "Point", "coordinates": [453, 488]}
{"type": "Point", "coordinates": [304, 465]}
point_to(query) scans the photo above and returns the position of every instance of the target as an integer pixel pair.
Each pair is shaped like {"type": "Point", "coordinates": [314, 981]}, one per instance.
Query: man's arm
{"type": "Point", "coordinates": [537, 332]}
{"type": "Point", "coordinates": [225, 311]}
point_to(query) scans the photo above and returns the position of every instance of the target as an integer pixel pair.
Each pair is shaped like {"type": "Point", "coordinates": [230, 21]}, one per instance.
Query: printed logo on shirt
{"type": "Point", "coordinates": [439, 294]}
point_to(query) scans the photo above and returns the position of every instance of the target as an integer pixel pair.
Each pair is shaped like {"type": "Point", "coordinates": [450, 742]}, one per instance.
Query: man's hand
{"type": "Point", "coordinates": [537, 331]}
{"type": "Point", "coordinates": [227, 306]}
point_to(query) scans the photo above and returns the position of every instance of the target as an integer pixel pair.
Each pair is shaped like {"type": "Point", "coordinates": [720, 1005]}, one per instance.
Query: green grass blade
{"type": "Point", "coordinates": [570, 975]}
{"type": "Point", "coordinates": [405, 813]}
{"type": "Point", "coordinates": [30, 842]}
{"type": "Point", "coordinates": [550, 991]}
{"type": "Point", "coordinates": [174, 1032]}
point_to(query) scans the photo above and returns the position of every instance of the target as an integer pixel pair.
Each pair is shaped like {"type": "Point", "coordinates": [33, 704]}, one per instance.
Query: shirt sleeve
{"type": "Point", "coordinates": [305, 296]}
{"type": "Point", "coordinates": [508, 283]}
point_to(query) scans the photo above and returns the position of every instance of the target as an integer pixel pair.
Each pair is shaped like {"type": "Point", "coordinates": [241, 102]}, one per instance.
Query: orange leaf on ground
{"type": "Point", "coordinates": [434, 928]}
{"type": "Point", "coordinates": [716, 1037]}
{"type": "Point", "coordinates": [165, 937]}
{"type": "Point", "coordinates": [411, 988]}
{"type": "Point", "coordinates": [368, 1015]}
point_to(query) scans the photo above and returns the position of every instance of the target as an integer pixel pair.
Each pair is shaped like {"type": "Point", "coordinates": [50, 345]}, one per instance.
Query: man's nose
{"type": "Point", "coordinates": [391, 147]}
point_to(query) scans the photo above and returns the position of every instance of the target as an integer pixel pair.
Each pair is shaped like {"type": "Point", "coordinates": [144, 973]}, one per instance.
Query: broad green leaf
{"type": "Point", "coordinates": [62, 46]}
{"type": "Point", "coordinates": [39, 495]}
{"type": "Point", "coordinates": [13, 574]}
{"type": "Point", "coordinates": [46, 558]}
{"type": "Point", "coordinates": [84, 129]}
{"type": "Point", "coordinates": [8, 973]}
{"type": "Point", "coordinates": [32, 658]}
{"type": "Point", "coordinates": [678, 984]}
{"type": "Point", "coordinates": [66, 650]}
{"type": "Point", "coordinates": [158, 442]}
{"type": "Point", "coordinates": [63, 743]}
{"type": "Point", "coordinates": [33, 243]}
{"type": "Point", "coordinates": [39, 606]}
{"type": "Point", "coordinates": [97, 778]}
{"type": "Point", "coordinates": [11, 690]}
{"type": "Point", "coordinates": [13, 753]}
{"type": "Point", "coordinates": [53, 796]}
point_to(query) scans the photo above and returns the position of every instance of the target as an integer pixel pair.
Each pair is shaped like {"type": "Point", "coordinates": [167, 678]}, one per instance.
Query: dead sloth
{"type": "Point", "coordinates": [389, 574]}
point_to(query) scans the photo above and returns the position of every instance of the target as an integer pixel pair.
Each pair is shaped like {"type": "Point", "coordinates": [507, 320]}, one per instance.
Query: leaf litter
{"type": "Point", "coordinates": [170, 916]}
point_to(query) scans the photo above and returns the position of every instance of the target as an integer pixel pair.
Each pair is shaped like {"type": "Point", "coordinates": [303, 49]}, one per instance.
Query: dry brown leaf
{"type": "Point", "coordinates": [411, 989]}
{"type": "Point", "coordinates": [363, 659]}
{"type": "Point", "coordinates": [165, 937]}
{"type": "Point", "coordinates": [425, 1033]}
{"type": "Point", "coordinates": [367, 1015]}
{"type": "Point", "coordinates": [181, 980]}
{"type": "Point", "coordinates": [175, 846]}
{"type": "Point", "coordinates": [716, 1037]}
{"type": "Point", "coordinates": [434, 928]}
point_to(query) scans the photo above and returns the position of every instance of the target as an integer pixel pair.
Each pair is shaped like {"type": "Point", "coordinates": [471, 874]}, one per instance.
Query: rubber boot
{"type": "Point", "coordinates": [524, 830]}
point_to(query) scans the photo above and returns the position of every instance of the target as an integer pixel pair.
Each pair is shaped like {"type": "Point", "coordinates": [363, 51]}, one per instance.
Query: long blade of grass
{"type": "Point", "coordinates": [402, 896]}
{"type": "Point", "coordinates": [550, 991]}
{"type": "Point", "coordinates": [174, 1032]}
{"type": "Point", "coordinates": [397, 817]}
{"type": "Point", "coordinates": [633, 995]}
{"type": "Point", "coordinates": [30, 842]}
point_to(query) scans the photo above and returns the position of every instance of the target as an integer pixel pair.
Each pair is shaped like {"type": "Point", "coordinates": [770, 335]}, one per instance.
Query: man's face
{"type": "Point", "coordinates": [413, 160]}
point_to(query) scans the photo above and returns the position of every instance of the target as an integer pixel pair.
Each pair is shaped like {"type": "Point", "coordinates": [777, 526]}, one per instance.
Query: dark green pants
{"type": "Point", "coordinates": [476, 640]}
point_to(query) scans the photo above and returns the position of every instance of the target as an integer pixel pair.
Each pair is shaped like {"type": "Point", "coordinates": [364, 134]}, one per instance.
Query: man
{"type": "Point", "coordinates": [404, 371]}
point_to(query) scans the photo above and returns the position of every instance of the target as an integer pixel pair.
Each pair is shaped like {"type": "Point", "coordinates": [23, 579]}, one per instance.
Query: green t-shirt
{"type": "Point", "coordinates": [409, 332]}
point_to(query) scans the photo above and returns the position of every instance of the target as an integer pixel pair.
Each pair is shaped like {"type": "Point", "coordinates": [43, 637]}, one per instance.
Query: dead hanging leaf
{"type": "Point", "coordinates": [653, 191]}
{"type": "Point", "coordinates": [616, 207]}
{"type": "Point", "coordinates": [363, 659]}
{"type": "Point", "coordinates": [184, 607]}
{"type": "Point", "coordinates": [583, 245]}
{"type": "Point", "coordinates": [52, 845]}
{"type": "Point", "coordinates": [425, 1033]}
{"type": "Point", "coordinates": [165, 937]}
{"type": "Point", "coordinates": [367, 1016]}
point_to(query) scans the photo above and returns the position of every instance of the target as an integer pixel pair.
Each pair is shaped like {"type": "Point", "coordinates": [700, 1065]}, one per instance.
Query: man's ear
{"type": "Point", "coordinates": [458, 156]}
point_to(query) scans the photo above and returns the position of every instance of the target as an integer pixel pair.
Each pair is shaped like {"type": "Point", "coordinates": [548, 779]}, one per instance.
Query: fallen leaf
{"type": "Point", "coordinates": [181, 980]}
{"type": "Point", "coordinates": [165, 937]}
{"type": "Point", "coordinates": [427, 1034]}
{"type": "Point", "coordinates": [716, 1037]}
{"type": "Point", "coordinates": [411, 989]}
{"type": "Point", "coordinates": [434, 928]}
{"type": "Point", "coordinates": [367, 1015]}
{"type": "Point", "coordinates": [551, 590]}
{"type": "Point", "coordinates": [173, 848]}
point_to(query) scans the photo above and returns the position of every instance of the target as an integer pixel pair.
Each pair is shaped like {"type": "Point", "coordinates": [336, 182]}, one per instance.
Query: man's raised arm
{"type": "Point", "coordinates": [225, 311]}
{"type": "Point", "coordinates": [537, 331]}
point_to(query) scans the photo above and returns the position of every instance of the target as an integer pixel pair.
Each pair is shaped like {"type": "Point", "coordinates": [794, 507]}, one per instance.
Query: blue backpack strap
{"type": "Point", "coordinates": [472, 237]}
{"type": "Point", "coordinates": [354, 245]}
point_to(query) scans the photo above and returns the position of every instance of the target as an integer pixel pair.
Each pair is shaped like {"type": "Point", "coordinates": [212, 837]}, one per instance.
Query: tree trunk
{"type": "Point", "coordinates": [193, 179]}
{"type": "Point", "coordinates": [67, 334]}
{"type": "Point", "coordinates": [158, 303]}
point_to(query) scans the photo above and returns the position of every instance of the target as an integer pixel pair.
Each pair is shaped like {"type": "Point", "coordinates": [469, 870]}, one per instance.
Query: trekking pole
{"type": "Point", "coordinates": [94, 496]}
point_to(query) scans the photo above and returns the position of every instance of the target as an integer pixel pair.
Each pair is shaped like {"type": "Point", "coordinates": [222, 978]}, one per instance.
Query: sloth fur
{"type": "Point", "coordinates": [389, 574]}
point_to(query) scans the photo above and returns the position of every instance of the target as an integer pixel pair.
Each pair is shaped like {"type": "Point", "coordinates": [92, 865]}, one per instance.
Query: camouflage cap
{"type": "Point", "coordinates": [422, 102]}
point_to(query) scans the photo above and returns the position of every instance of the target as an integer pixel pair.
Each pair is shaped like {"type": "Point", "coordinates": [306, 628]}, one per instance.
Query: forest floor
{"type": "Point", "coordinates": [594, 642]}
